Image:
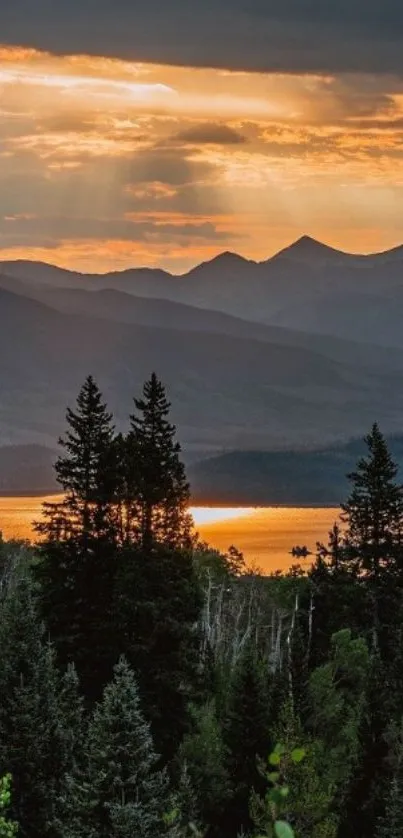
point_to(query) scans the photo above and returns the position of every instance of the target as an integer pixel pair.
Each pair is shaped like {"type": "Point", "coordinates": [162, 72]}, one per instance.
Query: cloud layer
{"type": "Point", "coordinates": [106, 163]}
{"type": "Point", "coordinates": [255, 35]}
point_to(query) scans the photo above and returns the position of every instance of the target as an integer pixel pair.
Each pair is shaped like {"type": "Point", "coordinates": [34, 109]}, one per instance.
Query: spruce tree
{"type": "Point", "coordinates": [122, 793]}
{"type": "Point", "coordinates": [34, 730]}
{"type": "Point", "coordinates": [157, 607]}
{"type": "Point", "coordinates": [391, 824]}
{"type": "Point", "coordinates": [78, 553]}
{"type": "Point", "coordinates": [373, 512]}
{"type": "Point", "coordinates": [158, 493]}
{"type": "Point", "coordinates": [205, 756]}
{"type": "Point", "coordinates": [86, 472]}
{"type": "Point", "coordinates": [247, 737]}
{"type": "Point", "coordinates": [335, 709]}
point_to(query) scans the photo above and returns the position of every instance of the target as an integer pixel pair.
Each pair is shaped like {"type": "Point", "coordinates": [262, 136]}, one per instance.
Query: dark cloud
{"type": "Point", "coordinates": [210, 133]}
{"type": "Point", "coordinates": [171, 168]}
{"type": "Point", "coordinates": [267, 35]}
{"type": "Point", "coordinates": [41, 231]}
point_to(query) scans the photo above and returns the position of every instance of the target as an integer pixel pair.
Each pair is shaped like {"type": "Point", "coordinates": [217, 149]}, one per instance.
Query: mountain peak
{"type": "Point", "coordinates": [307, 249]}
{"type": "Point", "coordinates": [228, 257]}
{"type": "Point", "coordinates": [226, 261]}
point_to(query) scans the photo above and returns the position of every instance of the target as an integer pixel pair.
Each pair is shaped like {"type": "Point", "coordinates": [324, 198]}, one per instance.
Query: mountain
{"type": "Point", "coordinates": [298, 352]}
{"type": "Point", "coordinates": [309, 287]}
{"type": "Point", "coordinates": [312, 252]}
{"type": "Point", "coordinates": [228, 390]}
{"type": "Point", "coordinates": [269, 478]}
{"type": "Point", "coordinates": [121, 307]}
{"type": "Point", "coordinates": [315, 253]}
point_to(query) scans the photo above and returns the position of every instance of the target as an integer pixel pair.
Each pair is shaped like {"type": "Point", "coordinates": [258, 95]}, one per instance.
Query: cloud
{"type": "Point", "coordinates": [264, 35]}
{"type": "Point", "coordinates": [210, 133]}
{"type": "Point", "coordinates": [42, 231]}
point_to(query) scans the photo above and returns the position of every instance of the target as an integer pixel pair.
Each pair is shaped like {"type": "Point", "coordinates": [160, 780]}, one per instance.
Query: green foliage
{"type": "Point", "coordinates": [205, 757]}
{"type": "Point", "coordinates": [268, 812]}
{"type": "Point", "coordinates": [336, 697]}
{"type": "Point", "coordinates": [121, 791]}
{"type": "Point", "coordinates": [157, 606]}
{"type": "Point", "coordinates": [38, 733]}
{"type": "Point", "coordinates": [284, 658]}
{"type": "Point", "coordinates": [246, 735]}
{"type": "Point", "coordinates": [8, 828]}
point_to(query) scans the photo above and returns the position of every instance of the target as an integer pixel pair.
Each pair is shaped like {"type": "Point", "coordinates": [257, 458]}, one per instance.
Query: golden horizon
{"type": "Point", "coordinates": [108, 164]}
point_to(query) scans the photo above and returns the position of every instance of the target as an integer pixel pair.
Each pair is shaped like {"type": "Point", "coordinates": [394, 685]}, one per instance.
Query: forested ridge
{"type": "Point", "coordinates": [151, 686]}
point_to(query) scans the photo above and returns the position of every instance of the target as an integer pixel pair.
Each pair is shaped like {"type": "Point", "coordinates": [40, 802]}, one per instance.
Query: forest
{"type": "Point", "coordinates": [151, 686]}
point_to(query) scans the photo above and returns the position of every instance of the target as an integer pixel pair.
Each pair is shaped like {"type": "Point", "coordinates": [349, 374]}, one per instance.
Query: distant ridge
{"type": "Point", "coordinates": [303, 248]}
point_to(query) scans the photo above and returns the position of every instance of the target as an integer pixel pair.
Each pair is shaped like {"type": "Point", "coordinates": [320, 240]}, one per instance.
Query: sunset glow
{"type": "Point", "coordinates": [106, 163]}
{"type": "Point", "coordinates": [214, 515]}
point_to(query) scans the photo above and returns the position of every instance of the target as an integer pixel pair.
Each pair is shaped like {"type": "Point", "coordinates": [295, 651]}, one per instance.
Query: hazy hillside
{"type": "Point", "coordinates": [299, 478]}
{"type": "Point", "coordinates": [227, 390]}
{"type": "Point", "coordinates": [126, 308]}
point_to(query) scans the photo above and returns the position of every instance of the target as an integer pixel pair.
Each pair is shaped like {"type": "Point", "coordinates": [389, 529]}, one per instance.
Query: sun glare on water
{"type": "Point", "coordinates": [213, 515]}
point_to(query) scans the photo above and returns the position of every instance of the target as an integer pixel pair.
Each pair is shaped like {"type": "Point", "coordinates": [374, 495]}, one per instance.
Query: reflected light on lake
{"type": "Point", "coordinates": [213, 515]}
{"type": "Point", "coordinates": [264, 535]}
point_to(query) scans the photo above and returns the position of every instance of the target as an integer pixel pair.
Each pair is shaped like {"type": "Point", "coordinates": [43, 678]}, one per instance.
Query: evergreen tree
{"type": "Point", "coordinates": [365, 803]}
{"type": "Point", "coordinates": [122, 792]}
{"type": "Point", "coordinates": [78, 555]}
{"type": "Point", "coordinates": [391, 823]}
{"type": "Point", "coordinates": [157, 606]}
{"type": "Point", "coordinates": [374, 511]}
{"type": "Point", "coordinates": [205, 756]}
{"type": "Point", "coordinates": [33, 729]}
{"type": "Point", "coordinates": [335, 707]}
{"type": "Point", "coordinates": [86, 473]}
{"type": "Point", "coordinates": [247, 736]}
{"type": "Point", "coordinates": [158, 493]}
{"type": "Point", "coordinates": [340, 598]}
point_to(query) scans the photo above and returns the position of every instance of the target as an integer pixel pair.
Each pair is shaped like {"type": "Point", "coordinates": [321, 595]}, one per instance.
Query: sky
{"type": "Point", "coordinates": [162, 133]}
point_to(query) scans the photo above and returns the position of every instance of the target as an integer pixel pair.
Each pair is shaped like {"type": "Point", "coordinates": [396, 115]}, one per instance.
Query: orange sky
{"type": "Point", "coordinates": [106, 164]}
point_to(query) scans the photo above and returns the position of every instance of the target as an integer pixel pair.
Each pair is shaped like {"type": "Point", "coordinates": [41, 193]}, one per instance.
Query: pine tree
{"type": "Point", "coordinates": [364, 803]}
{"type": "Point", "coordinates": [391, 823]}
{"type": "Point", "coordinates": [336, 705]}
{"type": "Point", "coordinates": [374, 510]}
{"type": "Point", "coordinates": [33, 728]}
{"type": "Point", "coordinates": [78, 555]}
{"type": "Point", "coordinates": [204, 754]}
{"type": "Point", "coordinates": [158, 493]}
{"type": "Point", "coordinates": [157, 606]}
{"type": "Point", "coordinates": [247, 737]}
{"type": "Point", "coordinates": [122, 793]}
{"type": "Point", "coordinates": [86, 473]}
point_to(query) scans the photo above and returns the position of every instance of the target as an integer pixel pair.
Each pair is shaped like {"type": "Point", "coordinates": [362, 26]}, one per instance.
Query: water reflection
{"type": "Point", "coordinates": [265, 536]}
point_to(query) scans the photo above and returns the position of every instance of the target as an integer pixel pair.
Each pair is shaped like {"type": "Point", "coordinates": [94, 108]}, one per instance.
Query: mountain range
{"type": "Point", "coordinates": [294, 353]}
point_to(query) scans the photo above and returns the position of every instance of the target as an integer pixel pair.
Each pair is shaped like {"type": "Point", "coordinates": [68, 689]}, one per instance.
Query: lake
{"type": "Point", "coordinates": [265, 535]}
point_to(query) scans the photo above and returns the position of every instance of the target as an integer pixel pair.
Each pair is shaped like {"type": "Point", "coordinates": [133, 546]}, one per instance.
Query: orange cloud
{"type": "Point", "coordinates": [217, 159]}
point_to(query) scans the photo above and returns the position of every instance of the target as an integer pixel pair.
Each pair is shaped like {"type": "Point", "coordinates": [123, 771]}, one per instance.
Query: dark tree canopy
{"type": "Point", "coordinates": [77, 555]}
{"type": "Point", "coordinates": [373, 512]}
{"type": "Point", "coordinates": [158, 492]}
